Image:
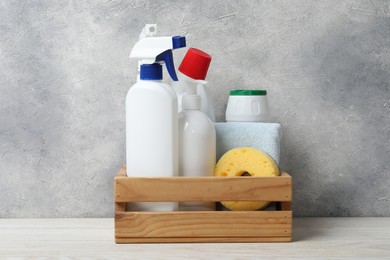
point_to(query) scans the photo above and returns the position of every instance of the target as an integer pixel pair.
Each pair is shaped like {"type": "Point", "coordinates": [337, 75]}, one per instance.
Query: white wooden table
{"type": "Point", "coordinates": [322, 238]}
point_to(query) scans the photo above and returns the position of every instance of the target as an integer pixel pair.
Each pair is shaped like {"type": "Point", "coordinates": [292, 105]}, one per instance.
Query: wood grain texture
{"type": "Point", "coordinates": [134, 189]}
{"type": "Point", "coordinates": [126, 240]}
{"type": "Point", "coordinates": [203, 224]}
{"type": "Point", "coordinates": [206, 226]}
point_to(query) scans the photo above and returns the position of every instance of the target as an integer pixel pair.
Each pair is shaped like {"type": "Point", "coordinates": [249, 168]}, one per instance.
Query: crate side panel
{"type": "Point", "coordinates": [132, 189]}
{"type": "Point", "coordinates": [203, 224]}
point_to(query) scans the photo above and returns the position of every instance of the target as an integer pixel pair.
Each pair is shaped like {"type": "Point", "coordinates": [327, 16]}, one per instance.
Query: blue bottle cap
{"type": "Point", "coordinates": [151, 72]}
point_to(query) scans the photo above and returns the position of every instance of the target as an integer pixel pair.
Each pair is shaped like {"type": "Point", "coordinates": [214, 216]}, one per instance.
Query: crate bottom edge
{"type": "Point", "coordinates": [135, 240]}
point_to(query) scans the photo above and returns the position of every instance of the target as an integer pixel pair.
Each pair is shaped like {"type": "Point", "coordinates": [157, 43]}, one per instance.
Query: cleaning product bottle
{"type": "Point", "coordinates": [151, 114]}
{"type": "Point", "coordinates": [248, 105]}
{"type": "Point", "coordinates": [197, 146]}
{"type": "Point", "coordinates": [192, 73]}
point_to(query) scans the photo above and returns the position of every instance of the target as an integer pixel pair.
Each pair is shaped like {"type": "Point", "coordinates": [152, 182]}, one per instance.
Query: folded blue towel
{"type": "Point", "coordinates": [262, 136]}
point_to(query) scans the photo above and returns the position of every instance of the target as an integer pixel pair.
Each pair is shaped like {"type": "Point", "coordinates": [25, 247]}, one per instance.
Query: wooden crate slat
{"type": "Point", "coordinates": [203, 224]}
{"type": "Point", "coordinates": [140, 189]}
{"type": "Point", "coordinates": [123, 240]}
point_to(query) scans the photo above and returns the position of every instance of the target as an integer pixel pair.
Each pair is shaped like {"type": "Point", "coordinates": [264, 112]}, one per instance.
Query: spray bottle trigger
{"type": "Point", "coordinates": [167, 58]}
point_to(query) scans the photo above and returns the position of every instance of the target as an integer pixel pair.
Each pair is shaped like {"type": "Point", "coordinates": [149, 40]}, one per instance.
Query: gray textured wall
{"type": "Point", "coordinates": [64, 74]}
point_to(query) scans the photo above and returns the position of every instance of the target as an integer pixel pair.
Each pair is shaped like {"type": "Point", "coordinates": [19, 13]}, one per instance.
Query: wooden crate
{"type": "Point", "coordinates": [203, 226]}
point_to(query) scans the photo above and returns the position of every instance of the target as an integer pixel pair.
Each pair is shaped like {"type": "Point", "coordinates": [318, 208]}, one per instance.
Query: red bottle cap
{"type": "Point", "coordinates": [195, 64]}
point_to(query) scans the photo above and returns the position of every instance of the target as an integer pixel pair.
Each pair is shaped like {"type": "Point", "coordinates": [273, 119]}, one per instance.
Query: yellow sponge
{"type": "Point", "coordinates": [246, 160]}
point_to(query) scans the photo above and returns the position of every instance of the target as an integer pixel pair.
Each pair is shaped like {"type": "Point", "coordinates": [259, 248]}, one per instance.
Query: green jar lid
{"type": "Point", "coordinates": [248, 92]}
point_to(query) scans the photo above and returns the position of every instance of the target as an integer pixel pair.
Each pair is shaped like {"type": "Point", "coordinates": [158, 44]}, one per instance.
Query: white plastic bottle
{"type": "Point", "coordinates": [151, 126]}
{"type": "Point", "coordinates": [197, 147]}
{"type": "Point", "coordinates": [151, 117]}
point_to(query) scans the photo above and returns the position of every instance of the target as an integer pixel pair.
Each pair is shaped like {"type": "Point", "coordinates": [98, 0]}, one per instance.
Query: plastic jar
{"type": "Point", "coordinates": [248, 106]}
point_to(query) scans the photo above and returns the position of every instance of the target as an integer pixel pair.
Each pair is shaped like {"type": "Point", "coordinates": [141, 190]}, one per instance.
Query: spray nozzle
{"type": "Point", "coordinates": [178, 42]}
{"type": "Point", "coordinates": [149, 49]}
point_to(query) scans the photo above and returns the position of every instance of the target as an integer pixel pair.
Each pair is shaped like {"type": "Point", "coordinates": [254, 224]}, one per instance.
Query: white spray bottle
{"type": "Point", "coordinates": [151, 114]}
{"type": "Point", "coordinates": [192, 73]}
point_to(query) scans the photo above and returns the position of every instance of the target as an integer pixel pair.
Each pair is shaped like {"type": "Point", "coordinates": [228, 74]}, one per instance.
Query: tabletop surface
{"type": "Point", "coordinates": [322, 238]}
